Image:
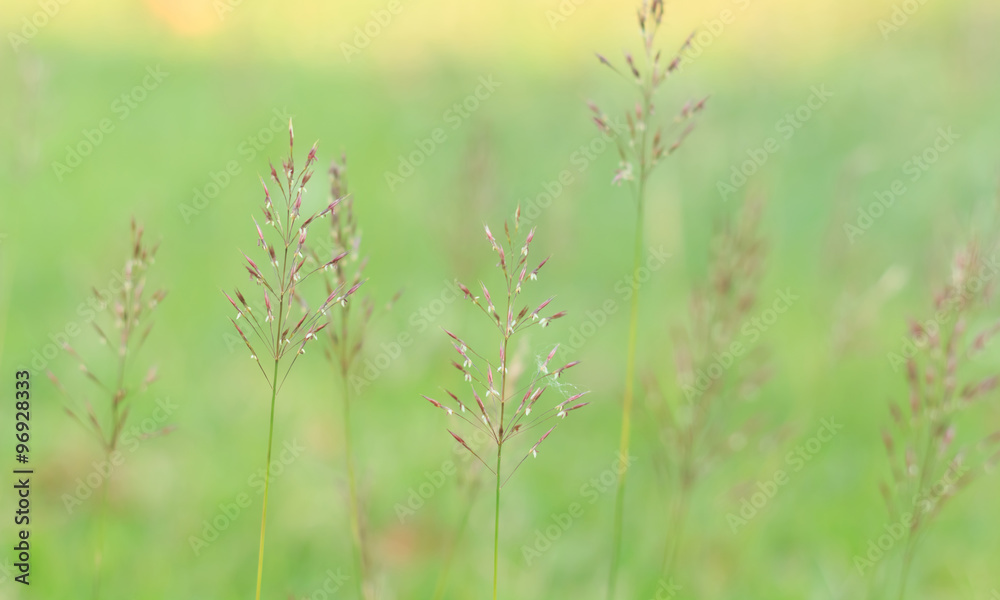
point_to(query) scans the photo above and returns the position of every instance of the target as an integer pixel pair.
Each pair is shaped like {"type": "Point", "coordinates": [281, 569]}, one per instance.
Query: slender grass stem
{"type": "Point", "coordinates": [623, 450]}
{"type": "Point", "coordinates": [675, 533]}
{"type": "Point", "coordinates": [496, 528]}
{"type": "Point", "coordinates": [500, 438]}
{"type": "Point", "coordinates": [359, 561]}
{"type": "Point", "coordinates": [112, 444]}
{"type": "Point", "coordinates": [905, 574]}
{"type": "Point", "coordinates": [267, 478]}
{"type": "Point", "coordinates": [102, 518]}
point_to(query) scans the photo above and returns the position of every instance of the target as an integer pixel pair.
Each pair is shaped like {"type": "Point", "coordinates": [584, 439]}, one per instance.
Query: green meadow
{"type": "Point", "coordinates": [874, 149]}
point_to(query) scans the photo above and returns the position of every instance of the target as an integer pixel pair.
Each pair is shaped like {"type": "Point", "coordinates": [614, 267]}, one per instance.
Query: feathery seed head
{"type": "Point", "coordinates": [490, 387]}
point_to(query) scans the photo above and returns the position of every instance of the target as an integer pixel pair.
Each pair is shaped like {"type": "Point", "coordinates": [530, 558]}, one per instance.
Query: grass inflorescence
{"type": "Point", "coordinates": [278, 337]}
{"type": "Point", "coordinates": [496, 403]}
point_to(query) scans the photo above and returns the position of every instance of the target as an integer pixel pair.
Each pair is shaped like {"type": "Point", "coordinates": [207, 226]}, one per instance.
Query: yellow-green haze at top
{"type": "Point", "coordinates": [403, 34]}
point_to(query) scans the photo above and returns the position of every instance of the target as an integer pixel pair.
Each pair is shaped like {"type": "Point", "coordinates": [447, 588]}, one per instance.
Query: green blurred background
{"type": "Point", "coordinates": [227, 68]}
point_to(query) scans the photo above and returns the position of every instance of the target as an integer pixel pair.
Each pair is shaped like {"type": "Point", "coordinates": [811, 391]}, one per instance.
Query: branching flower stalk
{"type": "Point", "coordinates": [346, 336]}
{"type": "Point", "coordinates": [695, 429]}
{"type": "Point", "coordinates": [494, 404]}
{"type": "Point", "coordinates": [928, 466]}
{"type": "Point", "coordinates": [279, 336]}
{"type": "Point", "coordinates": [124, 332]}
{"type": "Point", "coordinates": [640, 150]}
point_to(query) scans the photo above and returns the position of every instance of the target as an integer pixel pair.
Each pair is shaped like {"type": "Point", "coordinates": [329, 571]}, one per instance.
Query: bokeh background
{"type": "Point", "coordinates": [229, 68]}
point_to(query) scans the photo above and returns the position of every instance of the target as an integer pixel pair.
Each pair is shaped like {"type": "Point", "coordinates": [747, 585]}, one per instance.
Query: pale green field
{"type": "Point", "coordinates": [209, 122]}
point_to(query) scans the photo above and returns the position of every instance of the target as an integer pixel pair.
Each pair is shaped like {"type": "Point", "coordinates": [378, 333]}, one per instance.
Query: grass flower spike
{"type": "Point", "coordinates": [493, 402]}
{"type": "Point", "coordinates": [279, 336]}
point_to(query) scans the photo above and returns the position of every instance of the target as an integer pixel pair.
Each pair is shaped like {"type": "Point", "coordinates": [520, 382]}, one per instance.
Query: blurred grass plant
{"type": "Point", "coordinates": [345, 337]}
{"type": "Point", "coordinates": [124, 332]}
{"type": "Point", "coordinates": [641, 147]}
{"type": "Point", "coordinates": [928, 463]}
{"type": "Point", "coordinates": [695, 430]}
